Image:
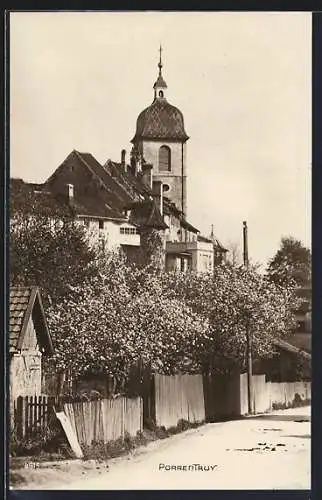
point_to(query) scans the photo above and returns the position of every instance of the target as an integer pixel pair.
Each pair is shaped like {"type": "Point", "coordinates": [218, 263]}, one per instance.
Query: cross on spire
{"type": "Point", "coordinates": [160, 61]}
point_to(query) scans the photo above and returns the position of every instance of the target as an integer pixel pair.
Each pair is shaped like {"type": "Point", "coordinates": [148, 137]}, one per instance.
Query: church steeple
{"type": "Point", "coordinates": [160, 84]}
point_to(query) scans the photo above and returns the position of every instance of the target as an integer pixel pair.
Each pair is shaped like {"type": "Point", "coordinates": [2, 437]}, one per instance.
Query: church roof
{"type": "Point", "coordinates": [160, 121]}
{"type": "Point", "coordinates": [160, 83]}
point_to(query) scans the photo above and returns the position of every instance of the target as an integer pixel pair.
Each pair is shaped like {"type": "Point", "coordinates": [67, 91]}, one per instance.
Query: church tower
{"type": "Point", "coordinates": [161, 139]}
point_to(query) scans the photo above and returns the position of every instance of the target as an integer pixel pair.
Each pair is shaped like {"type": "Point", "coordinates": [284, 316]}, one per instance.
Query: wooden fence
{"type": "Point", "coordinates": [105, 419]}
{"type": "Point", "coordinates": [31, 414]}
{"type": "Point", "coordinates": [226, 396]}
{"type": "Point", "coordinates": [178, 397]}
{"type": "Point", "coordinates": [267, 394]}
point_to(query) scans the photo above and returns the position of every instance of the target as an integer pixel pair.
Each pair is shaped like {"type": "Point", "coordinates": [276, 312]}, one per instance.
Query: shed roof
{"type": "Point", "coordinates": [24, 303]}
{"type": "Point", "coordinates": [286, 346]}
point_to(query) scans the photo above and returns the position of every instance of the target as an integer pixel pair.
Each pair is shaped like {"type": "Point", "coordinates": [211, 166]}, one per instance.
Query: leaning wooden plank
{"type": "Point", "coordinates": [70, 434]}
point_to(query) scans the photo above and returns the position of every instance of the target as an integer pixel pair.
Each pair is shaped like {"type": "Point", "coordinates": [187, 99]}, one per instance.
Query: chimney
{"type": "Point", "coordinates": [70, 188]}
{"type": "Point", "coordinates": [123, 162]}
{"type": "Point", "coordinates": [147, 174]}
{"type": "Point", "coordinates": [157, 193]}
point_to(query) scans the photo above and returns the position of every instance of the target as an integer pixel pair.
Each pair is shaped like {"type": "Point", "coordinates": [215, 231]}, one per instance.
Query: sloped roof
{"type": "Point", "coordinates": [127, 180]}
{"type": "Point", "coordinates": [186, 225]}
{"type": "Point", "coordinates": [204, 239]}
{"type": "Point", "coordinates": [146, 213]}
{"type": "Point", "coordinates": [160, 82]}
{"type": "Point", "coordinates": [24, 303]}
{"type": "Point", "coordinates": [219, 245]}
{"type": "Point", "coordinates": [113, 194]}
{"type": "Point", "coordinates": [160, 121]}
{"type": "Point", "coordinates": [286, 346]}
{"type": "Point", "coordinates": [169, 207]}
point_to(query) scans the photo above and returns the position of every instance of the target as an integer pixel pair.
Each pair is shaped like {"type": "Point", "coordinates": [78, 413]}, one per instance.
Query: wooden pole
{"type": "Point", "coordinates": [248, 335]}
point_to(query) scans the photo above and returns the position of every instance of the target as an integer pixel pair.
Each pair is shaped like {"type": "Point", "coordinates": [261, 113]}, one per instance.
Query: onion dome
{"type": "Point", "coordinates": [161, 120]}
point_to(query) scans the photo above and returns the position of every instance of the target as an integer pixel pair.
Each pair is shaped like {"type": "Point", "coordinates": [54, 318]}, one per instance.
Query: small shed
{"type": "Point", "coordinates": [29, 340]}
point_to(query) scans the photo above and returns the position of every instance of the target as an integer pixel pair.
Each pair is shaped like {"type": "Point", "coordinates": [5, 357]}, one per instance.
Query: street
{"type": "Point", "coordinates": [269, 451]}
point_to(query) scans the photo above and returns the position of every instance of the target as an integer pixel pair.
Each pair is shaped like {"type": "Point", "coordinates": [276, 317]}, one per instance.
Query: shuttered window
{"type": "Point", "coordinates": [164, 159]}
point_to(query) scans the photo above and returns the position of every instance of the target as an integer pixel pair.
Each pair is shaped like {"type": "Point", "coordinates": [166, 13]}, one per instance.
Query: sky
{"type": "Point", "coordinates": [78, 80]}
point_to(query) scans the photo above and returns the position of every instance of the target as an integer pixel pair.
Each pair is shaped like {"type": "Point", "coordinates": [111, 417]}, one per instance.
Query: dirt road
{"type": "Point", "coordinates": [263, 452]}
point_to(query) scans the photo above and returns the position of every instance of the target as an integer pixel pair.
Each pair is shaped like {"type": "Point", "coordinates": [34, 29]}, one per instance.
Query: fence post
{"type": "Point", "coordinates": [36, 413]}
{"type": "Point", "coordinates": [26, 419]}
{"type": "Point", "coordinates": [19, 420]}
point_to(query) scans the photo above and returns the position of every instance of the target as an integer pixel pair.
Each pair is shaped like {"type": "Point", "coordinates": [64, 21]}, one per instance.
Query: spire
{"type": "Point", "coordinates": [160, 61]}
{"type": "Point", "coordinates": [160, 84]}
{"type": "Point", "coordinates": [212, 234]}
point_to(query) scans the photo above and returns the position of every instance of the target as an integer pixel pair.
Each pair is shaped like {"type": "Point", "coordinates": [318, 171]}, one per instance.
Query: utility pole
{"type": "Point", "coordinates": [248, 335]}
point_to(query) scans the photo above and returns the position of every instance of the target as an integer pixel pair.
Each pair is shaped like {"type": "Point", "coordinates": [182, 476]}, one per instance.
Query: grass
{"type": "Point", "coordinates": [123, 446]}
{"type": "Point", "coordinates": [296, 403]}
{"type": "Point", "coordinates": [32, 467]}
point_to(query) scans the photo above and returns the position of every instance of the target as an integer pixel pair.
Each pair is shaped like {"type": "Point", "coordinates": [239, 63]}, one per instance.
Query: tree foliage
{"type": "Point", "coordinates": [235, 301]}
{"type": "Point", "coordinates": [292, 262]}
{"type": "Point", "coordinates": [117, 320]}
{"type": "Point", "coordinates": [50, 254]}
{"type": "Point", "coordinates": [107, 315]}
{"type": "Point", "coordinates": [172, 322]}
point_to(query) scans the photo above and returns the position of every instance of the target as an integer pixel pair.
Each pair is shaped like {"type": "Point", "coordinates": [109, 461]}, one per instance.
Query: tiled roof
{"type": "Point", "coordinates": [114, 190]}
{"type": "Point", "coordinates": [127, 181]}
{"type": "Point", "coordinates": [23, 300]}
{"type": "Point", "coordinates": [160, 121]}
{"type": "Point", "coordinates": [112, 193]}
{"type": "Point", "coordinates": [98, 198]}
{"type": "Point", "coordinates": [146, 213]}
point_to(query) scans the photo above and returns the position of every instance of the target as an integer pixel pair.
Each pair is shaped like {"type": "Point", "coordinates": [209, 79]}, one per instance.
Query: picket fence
{"type": "Point", "coordinates": [105, 420]}
{"type": "Point", "coordinates": [178, 397]}
{"type": "Point", "coordinates": [30, 414]}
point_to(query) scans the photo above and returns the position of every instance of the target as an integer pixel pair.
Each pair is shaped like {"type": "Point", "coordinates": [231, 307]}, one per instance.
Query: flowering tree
{"type": "Point", "coordinates": [235, 301]}
{"type": "Point", "coordinates": [120, 319]}
{"type": "Point", "coordinates": [171, 322]}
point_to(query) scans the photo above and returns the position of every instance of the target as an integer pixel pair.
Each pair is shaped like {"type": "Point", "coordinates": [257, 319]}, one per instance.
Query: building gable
{"type": "Point", "coordinates": [27, 315]}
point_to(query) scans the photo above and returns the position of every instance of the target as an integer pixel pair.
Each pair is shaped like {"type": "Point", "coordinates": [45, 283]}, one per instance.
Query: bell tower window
{"type": "Point", "coordinates": [161, 93]}
{"type": "Point", "coordinates": [164, 159]}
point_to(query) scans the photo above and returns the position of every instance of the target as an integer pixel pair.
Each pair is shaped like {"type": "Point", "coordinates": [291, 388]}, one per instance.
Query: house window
{"type": "Point", "coordinates": [129, 230]}
{"type": "Point", "coordinates": [101, 224]}
{"type": "Point", "coordinates": [164, 159]}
